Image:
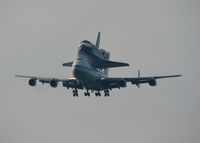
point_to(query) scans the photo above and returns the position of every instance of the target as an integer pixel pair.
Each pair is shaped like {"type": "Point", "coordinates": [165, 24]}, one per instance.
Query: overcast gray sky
{"type": "Point", "coordinates": [159, 37]}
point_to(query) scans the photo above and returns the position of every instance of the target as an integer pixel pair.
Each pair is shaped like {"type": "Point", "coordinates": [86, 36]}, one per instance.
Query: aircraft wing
{"type": "Point", "coordinates": [121, 82]}
{"type": "Point", "coordinates": [69, 83]}
{"type": "Point", "coordinates": [41, 79]}
{"type": "Point", "coordinates": [102, 83]}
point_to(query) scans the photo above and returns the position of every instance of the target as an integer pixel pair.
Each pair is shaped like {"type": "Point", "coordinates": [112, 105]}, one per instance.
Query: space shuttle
{"type": "Point", "coordinates": [96, 57]}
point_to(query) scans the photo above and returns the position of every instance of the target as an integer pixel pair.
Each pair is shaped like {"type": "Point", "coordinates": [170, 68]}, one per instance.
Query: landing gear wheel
{"type": "Point", "coordinates": [75, 93]}
{"type": "Point", "coordinates": [87, 93]}
{"type": "Point", "coordinates": [106, 93]}
{"type": "Point", "coordinates": [98, 93]}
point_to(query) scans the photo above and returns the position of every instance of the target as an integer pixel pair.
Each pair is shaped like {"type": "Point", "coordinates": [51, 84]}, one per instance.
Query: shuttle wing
{"type": "Point", "coordinates": [102, 64]}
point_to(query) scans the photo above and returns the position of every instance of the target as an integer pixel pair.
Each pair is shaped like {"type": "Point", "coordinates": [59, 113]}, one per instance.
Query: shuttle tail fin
{"type": "Point", "coordinates": [98, 40]}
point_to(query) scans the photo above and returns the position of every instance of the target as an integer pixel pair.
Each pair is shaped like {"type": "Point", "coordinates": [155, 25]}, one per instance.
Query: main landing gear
{"type": "Point", "coordinates": [75, 93]}
{"type": "Point", "coordinates": [87, 93]}
{"type": "Point", "coordinates": [97, 93]}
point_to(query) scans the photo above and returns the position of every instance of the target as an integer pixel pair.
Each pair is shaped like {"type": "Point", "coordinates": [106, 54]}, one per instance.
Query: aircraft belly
{"type": "Point", "coordinates": [83, 74]}
{"type": "Point", "coordinates": [91, 59]}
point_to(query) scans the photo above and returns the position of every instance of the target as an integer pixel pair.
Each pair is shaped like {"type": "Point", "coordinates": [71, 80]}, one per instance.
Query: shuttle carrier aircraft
{"type": "Point", "coordinates": [90, 71]}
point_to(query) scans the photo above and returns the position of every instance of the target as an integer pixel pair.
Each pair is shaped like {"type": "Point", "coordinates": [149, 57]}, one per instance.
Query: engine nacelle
{"type": "Point", "coordinates": [152, 82]}
{"type": "Point", "coordinates": [54, 83]}
{"type": "Point", "coordinates": [32, 82]}
{"type": "Point", "coordinates": [122, 83]}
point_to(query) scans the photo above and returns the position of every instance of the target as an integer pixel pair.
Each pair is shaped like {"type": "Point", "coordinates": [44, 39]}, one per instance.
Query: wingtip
{"type": "Point", "coordinates": [178, 75]}
{"type": "Point", "coordinates": [68, 64]}
{"type": "Point", "coordinates": [124, 64]}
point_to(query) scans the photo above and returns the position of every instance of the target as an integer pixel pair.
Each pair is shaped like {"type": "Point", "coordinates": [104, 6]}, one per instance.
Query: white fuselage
{"type": "Point", "coordinates": [84, 72]}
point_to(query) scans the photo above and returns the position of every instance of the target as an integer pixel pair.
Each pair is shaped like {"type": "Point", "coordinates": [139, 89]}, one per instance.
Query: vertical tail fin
{"type": "Point", "coordinates": [98, 40]}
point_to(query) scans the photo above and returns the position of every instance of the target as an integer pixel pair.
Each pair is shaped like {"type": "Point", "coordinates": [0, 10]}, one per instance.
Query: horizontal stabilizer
{"type": "Point", "coordinates": [69, 64]}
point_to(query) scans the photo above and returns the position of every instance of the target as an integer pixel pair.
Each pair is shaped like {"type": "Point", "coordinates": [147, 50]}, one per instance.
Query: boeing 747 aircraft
{"type": "Point", "coordinates": [90, 71]}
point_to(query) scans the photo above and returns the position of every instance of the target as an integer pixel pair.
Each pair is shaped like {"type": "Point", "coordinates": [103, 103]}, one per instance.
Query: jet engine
{"type": "Point", "coordinates": [32, 82]}
{"type": "Point", "coordinates": [152, 82]}
{"type": "Point", "coordinates": [54, 83]}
